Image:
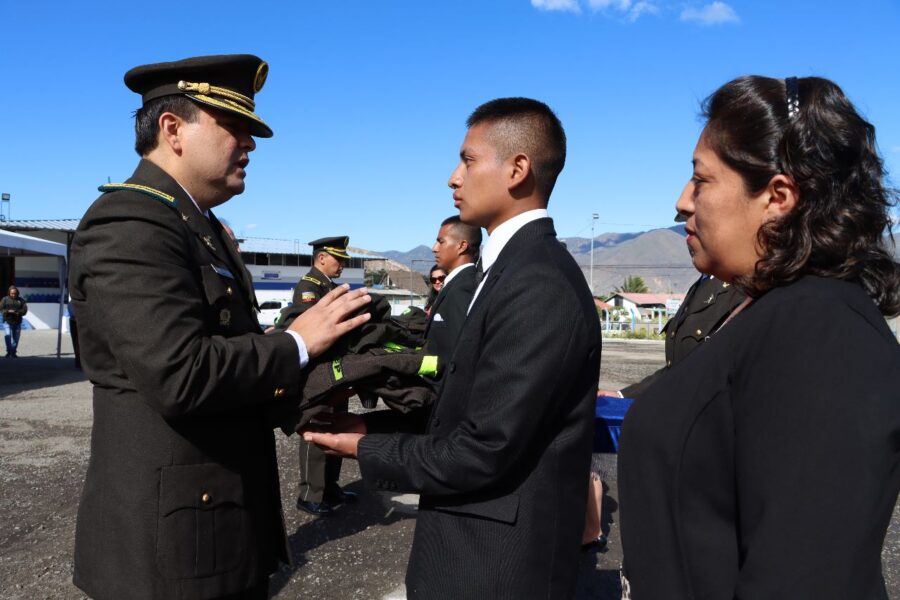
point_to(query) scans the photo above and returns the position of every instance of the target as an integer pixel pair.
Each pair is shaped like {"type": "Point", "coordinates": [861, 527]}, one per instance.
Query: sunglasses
{"type": "Point", "coordinates": [438, 279]}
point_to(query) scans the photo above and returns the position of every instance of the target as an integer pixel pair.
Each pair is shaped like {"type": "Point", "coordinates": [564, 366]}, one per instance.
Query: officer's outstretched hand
{"type": "Point", "coordinates": [329, 319]}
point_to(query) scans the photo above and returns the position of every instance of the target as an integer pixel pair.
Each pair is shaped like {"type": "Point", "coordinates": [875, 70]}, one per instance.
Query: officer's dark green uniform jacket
{"type": "Point", "coordinates": [307, 292]}
{"type": "Point", "coordinates": [311, 288]}
{"type": "Point", "coordinates": [706, 306]}
{"type": "Point", "coordinates": [181, 497]}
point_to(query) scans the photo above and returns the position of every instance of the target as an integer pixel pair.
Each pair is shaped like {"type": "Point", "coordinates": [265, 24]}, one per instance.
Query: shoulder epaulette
{"type": "Point", "coordinates": [311, 280]}
{"type": "Point", "coordinates": [142, 189]}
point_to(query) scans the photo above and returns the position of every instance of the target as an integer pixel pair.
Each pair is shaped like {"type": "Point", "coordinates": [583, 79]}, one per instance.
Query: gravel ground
{"type": "Point", "coordinates": [359, 553]}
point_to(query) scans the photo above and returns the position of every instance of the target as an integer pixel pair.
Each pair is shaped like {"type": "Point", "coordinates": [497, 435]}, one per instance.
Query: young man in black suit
{"type": "Point", "coordinates": [455, 252]}
{"type": "Point", "coordinates": [501, 467]}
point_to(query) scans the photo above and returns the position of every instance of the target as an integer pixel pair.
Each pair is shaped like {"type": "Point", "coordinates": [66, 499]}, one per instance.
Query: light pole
{"type": "Point", "coordinates": [412, 264]}
{"type": "Point", "coordinates": [594, 218]}
{"type": "Point", "coordinates": [4, 203]}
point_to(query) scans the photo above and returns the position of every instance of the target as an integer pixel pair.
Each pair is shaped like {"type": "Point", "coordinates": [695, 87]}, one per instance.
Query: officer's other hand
{"type": "Point", "coordinates": [330, 318]}
{"type": "Point", "coordinates": [335, 444]}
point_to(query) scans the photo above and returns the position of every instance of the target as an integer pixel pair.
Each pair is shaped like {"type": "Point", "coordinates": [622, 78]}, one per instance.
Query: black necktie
{"type": "Point", "coordinates": [479, 272]}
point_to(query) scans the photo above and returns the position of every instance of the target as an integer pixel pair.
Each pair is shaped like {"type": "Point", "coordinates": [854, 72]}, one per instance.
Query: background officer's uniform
{"type": "Point", "coordinates": [310, 289]}
{"type": "Point", "coordinates": [706, 306]}
{"type": "Point", "coordinates": [181, 496]}
{"type": "Point", "coordinates": [319, 473]}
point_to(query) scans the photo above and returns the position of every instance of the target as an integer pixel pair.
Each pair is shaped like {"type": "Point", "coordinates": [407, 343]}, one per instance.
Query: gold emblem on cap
{"type": "Point", "coordinates": [261, 73]}
{"type": "Point", "coordinates": [200, 88]}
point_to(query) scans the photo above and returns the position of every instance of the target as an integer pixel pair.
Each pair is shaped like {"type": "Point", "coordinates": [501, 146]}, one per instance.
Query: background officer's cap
{"type": "Point", "coordinates": [335, 246]}
{"type": "Point", "coordinates": [226, 82]}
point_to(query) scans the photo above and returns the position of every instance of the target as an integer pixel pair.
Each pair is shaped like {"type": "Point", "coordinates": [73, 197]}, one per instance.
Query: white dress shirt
{"type": "Point", "coordinates": [498, 240]}
{"type": "Point", "coordinates": [455, 272]}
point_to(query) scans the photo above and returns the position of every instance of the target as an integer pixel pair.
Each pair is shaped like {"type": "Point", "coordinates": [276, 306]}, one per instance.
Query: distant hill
{"type": "Point", "coordinates": [419, 253]}
{"type": "Point", "coordinates": [659, 256]}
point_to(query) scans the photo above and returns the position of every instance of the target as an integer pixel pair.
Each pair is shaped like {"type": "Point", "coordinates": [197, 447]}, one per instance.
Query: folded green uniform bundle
{"type": "Point", "coordinates": [396, 376]}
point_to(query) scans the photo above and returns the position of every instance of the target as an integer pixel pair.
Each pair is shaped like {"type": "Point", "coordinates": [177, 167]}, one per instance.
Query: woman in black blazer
{"type": "Point", "coordinates": [735, 465]}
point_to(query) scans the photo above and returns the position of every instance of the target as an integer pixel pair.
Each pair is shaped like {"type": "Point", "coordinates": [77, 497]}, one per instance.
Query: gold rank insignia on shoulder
{"type": "Point", "coordinates": [225, 317]}
{"type": "Point", "coordinates": [311, 280]}
{"type": "Point", "coordinates": [208, 241]}
{"type": "Point", "coordinates": [143, 189]}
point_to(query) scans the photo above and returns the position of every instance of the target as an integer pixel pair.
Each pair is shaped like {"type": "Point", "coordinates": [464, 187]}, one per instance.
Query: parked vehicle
{"type": "Point", "coordinates": [269, 311]}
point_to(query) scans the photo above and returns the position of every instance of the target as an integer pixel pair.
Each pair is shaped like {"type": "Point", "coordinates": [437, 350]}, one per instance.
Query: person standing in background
{"type": "Point", "coordinates": [455, 252]}
{"type": "Point", "coordinates": [436, 279]}
{"type": "Point", "coordinates": [13, 307]}
{"type": "Point", "coordinates": [319, 490]}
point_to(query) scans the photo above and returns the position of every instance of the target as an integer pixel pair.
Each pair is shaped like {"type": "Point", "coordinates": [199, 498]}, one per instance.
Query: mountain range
{"type": "Point", "coordinates": [659, 256]}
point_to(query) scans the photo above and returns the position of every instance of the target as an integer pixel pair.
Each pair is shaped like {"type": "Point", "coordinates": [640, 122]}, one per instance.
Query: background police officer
{"type": "Point", "coordinates": [319, 473]}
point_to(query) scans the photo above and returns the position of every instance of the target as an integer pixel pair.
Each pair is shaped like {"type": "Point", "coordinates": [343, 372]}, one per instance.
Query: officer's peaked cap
{"type": "Point", "coordinates": [335, 246]}
{"type": "Point", "coordinates": [226, 82]}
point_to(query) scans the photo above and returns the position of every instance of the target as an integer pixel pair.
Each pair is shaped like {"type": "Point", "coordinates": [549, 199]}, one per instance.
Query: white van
{"type": "Point", "coordinates": [269, 311]}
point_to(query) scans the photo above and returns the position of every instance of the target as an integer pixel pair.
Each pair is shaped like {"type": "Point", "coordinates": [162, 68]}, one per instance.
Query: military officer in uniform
{"type": "Point", "coordinates": [181, 496]}
{"type": "Point", "coordinates": [329, 255]}
{"type": "Point", "coordinates": [706, 306]}
{"type": "Point", "coordinates": [319, 473]}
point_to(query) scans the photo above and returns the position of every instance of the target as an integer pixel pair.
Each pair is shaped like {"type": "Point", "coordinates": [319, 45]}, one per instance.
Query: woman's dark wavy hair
{"type": "Point", "coordinates": [841, 222]}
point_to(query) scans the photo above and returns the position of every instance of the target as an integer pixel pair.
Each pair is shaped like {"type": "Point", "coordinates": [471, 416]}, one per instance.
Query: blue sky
{"type": "Point", "coordinates": [368, 99]}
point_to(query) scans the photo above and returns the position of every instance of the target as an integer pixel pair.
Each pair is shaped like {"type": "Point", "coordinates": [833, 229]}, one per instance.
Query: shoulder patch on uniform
{"type": "Point", "coordinates": [311, 280]}
{"type": "Point", "coordinates": [142, 189]}
{"type": "Point", "coordinates": [307, 297]}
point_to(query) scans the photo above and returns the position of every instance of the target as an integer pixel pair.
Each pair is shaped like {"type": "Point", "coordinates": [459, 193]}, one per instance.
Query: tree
{"type": "Point", "coordinates": [375, 277]}
{"type": "Point", "coordinates": [633, 285]}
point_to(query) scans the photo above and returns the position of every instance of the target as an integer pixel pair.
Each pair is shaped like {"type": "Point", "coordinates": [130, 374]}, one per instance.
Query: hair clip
{"type": "Point", "coordinates": [792, 94]}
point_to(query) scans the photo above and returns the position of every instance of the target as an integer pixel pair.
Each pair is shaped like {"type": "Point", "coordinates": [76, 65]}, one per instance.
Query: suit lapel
{"type": "Point", "coordinates": [529, 234]}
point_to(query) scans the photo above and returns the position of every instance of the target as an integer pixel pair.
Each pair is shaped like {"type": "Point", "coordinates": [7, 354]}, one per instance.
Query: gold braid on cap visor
{"type": "Point", "coordinates": [339, 252]}
{"type": "Point", "coordinates": [229, 99]}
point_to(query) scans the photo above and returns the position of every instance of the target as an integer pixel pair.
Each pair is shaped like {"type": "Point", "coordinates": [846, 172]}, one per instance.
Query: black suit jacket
{"type": "Point", "coordinates": [181, 496]}
{"type": "Point", "coordinates": [766, 463]}
{"type": "Point", "coordinates": [706, 306]}
{"type": "Point", "coordinates": [502, 468]}
{"type": "Point", "coordinates": [448, 313]}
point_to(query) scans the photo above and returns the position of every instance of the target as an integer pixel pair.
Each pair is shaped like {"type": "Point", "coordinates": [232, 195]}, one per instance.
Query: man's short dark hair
{"type": "Point", "coordinates": [463, 231]}
{"type": "Point", "coordinates": [527, 126]}
{"type": "Point", "coordinates": [146, 119]}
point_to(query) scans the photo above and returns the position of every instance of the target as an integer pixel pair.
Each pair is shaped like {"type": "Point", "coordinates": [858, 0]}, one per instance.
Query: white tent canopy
{"type": "Point", "coordinates": [17, 244]}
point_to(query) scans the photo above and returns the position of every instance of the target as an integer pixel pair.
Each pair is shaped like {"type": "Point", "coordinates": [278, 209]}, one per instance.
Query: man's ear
{"type": "Point", "coordinates": [782, 195]}
{"type": "Point", "coordinates": [169, 131]}
{"type": "Point", "coordinates": [519, 171]}
{"type": "Point", "coordinates": [463, 247]}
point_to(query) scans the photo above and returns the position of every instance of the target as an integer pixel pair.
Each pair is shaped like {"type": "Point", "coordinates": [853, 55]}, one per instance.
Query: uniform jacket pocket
{"type": "Point", "coordinates": [201, 529]}
{"type": "Point", "coordinates": [216, 283]}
